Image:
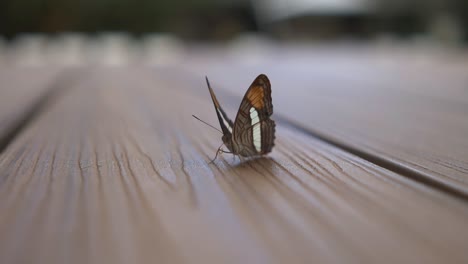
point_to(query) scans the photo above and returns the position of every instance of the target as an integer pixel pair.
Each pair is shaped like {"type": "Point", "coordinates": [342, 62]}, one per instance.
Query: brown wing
{"type": "Point", "coordinates": [254, 131]}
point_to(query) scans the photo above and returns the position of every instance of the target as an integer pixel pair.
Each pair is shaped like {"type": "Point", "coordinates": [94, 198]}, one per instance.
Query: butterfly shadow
{"type": "Point", "coordinates": [255, 177]}
{"type": "Point", "coordinates": [258, 166]}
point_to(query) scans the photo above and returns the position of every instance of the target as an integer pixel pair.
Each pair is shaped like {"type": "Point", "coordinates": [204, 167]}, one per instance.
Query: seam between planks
{"type": "Point", "coordinates": [57, 85]}
{"type": "Point", "coordinates": [380, 161]}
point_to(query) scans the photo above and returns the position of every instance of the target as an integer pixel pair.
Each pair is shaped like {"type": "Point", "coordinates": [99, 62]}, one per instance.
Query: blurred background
{"type": "Point", "coordinates": [31, 24]}
{"type": "Point", "coordinates": [221, 20]}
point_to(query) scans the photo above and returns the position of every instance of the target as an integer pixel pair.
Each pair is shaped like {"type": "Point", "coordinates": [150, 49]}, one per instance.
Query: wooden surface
{"type": "Point", "coordinates": [23, 90]}
{"type": "Point", "coordinates": [403, 109]}
{"type": "Point", "coordinates": [114, 169]}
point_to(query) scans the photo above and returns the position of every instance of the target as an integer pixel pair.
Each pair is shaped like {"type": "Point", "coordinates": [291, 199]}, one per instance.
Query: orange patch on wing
{"type": "Point", "coordinates": [255, 96]}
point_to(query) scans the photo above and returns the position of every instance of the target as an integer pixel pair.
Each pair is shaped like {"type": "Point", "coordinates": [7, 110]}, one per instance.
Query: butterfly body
{"type": "Point", "coordinates": [253, 132]}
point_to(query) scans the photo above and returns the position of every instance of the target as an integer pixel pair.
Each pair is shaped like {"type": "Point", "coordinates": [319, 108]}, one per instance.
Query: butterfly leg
{"type": "Point", "coordinates": [220, 150]}
{"type": "Point", "coordinates": [217, 152]}
{"type": "Point", "coordinates": [223, 151]}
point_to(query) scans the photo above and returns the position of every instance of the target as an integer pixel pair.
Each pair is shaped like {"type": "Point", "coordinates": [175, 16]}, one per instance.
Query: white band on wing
{"type": "Point", "coordinates": [226, 123]}
{"type": "Point", "coordinates": [256, 131]}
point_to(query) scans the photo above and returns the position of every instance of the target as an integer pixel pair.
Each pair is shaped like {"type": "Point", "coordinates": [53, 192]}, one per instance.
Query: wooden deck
{"type": "Point", "coordinates": [103, 164]}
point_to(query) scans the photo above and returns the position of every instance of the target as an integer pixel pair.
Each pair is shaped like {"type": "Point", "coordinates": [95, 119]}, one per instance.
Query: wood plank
{"type": "Point", "coordinates": [404, 109]}
{"type": "Point", "coordinates": [21, 91]}
{"type": "Point", "coordinates": [116, 172]}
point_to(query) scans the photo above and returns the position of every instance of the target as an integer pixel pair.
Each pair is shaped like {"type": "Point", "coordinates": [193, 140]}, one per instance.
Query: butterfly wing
{"type": "Point", "coordinates": [254, 131]}
{"type": "Point", "coordinates": [224, 121]}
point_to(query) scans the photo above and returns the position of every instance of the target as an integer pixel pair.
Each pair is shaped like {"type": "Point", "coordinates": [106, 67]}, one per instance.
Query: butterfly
{"type": "Point", "coordinates": [253, 132]}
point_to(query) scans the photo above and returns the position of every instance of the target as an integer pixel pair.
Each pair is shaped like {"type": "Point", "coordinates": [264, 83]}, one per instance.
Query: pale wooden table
{"type": "Point", "coordinates": [106, 165]}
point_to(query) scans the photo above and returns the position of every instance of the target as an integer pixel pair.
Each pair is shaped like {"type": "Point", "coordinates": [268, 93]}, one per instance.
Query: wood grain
{"type": "Point", "coordinates": [404, 109]}
{"type": "Point", "coordinates": [115, 171]}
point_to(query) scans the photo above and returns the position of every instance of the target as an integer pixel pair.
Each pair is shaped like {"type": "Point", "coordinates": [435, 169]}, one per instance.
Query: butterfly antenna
{"type": "Point", "coordinates": [207, 124]}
